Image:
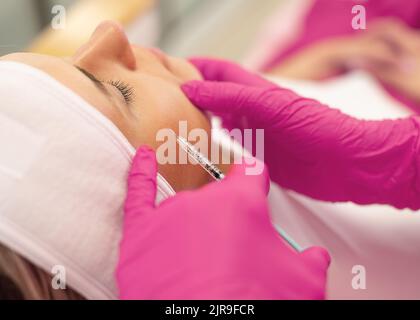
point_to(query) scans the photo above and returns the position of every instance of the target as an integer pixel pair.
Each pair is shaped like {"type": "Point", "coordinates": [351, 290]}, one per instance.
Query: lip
{"type": "Point", "coordinates": [162, 57]}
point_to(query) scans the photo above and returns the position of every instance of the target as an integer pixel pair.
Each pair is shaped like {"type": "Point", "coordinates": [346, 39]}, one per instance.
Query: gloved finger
{"type": "Point", "coordinates": [226, 71]}
{"type": "Point", "coordinates": [225, 98]}
{"type": "Point", "coordinates": [142, 185]}
{"type": "Point", "coordinates": [317, 256]}
{"type": "Point", "coordinates": [252, 177]}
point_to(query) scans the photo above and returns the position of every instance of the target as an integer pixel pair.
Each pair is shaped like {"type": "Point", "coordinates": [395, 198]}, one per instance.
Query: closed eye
{"type": "Point", "coordinates": [126, 90]}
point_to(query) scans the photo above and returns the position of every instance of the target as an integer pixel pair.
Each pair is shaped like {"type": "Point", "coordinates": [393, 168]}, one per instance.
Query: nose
{"type": "Point", "coordinates": [108, 42]}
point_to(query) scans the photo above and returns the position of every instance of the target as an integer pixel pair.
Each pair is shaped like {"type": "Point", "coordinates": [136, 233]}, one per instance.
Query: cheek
{"type": "Point", "coordinates": [184, 70]}
{"type": "Point", "coordinates": [162, 105]}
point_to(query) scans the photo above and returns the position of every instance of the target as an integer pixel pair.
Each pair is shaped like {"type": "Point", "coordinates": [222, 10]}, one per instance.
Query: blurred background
{"type": "Point", "coordinates": [180, 27]}
{"type": "Point", "coordinates": [313, 40]}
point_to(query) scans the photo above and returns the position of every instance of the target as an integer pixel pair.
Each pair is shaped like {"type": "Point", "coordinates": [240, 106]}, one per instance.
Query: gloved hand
{"type": "Point", "coordinates": [311, 148]}
{"type": "Point", "coordinates": [224, 71]}
{"type": "Point", "coordinates": [213, 243]}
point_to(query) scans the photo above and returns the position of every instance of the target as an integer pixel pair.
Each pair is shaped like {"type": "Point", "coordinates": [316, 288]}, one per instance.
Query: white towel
{"type": "Point", "coordinates": [63, 169]}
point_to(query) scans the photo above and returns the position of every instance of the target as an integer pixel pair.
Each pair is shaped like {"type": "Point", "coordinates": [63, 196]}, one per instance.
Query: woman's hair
{"type": "Point", "coordinates": [20, 279]}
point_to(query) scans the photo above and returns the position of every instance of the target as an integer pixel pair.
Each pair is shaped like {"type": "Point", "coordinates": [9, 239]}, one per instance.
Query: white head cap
{"type": "Point", "coordinates": [63, 169]}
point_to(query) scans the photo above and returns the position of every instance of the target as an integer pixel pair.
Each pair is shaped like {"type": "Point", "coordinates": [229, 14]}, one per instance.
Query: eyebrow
{"type": "Point", "coordinates": [98, 83]}
{"type": "Point", "coordinates": [95, 81]}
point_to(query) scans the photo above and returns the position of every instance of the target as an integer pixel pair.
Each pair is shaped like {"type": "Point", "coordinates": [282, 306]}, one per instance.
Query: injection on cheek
{"type": "Point", "coordinates": [199, 158]}
{"type": "Point", "coordinates": [218, 175]}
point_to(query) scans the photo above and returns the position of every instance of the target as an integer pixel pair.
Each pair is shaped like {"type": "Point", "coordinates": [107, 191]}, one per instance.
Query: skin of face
{"type": "Point", "coordinates": [157, 100]}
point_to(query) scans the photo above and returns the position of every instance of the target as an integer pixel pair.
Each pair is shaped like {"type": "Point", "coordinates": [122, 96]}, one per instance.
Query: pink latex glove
{"type": "Point", "coordinates": [214, 243]}
{"type": "Point", "coordinates": [311, 148]}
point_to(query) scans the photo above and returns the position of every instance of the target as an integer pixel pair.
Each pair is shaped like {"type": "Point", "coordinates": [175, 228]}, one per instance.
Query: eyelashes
{"type": "Point", "coordinates": [126, 90]}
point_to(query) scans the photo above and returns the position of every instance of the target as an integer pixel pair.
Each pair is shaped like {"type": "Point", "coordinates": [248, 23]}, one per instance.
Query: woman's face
{"type": "Point", "coordinates": [138, 89]}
